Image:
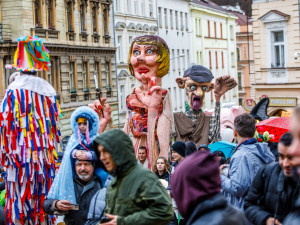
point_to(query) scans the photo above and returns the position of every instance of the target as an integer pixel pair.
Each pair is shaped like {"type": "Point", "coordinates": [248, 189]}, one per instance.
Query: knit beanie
{"type": "Point", "coordinates": [179, 147]}
{"type": "Point", "coordinates": [189, 188]}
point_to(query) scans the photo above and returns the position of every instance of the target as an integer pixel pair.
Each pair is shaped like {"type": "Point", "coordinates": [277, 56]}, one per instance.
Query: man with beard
{"type": "Point", "coordinates": [86, 184]}
{"type": "Point", "coordinates": [194, 125]}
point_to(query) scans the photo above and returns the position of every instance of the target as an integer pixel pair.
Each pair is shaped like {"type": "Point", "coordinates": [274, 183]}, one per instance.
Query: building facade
{"type": "Point", "coordinates": [79, 36]}
{"type": "Point", "coordinates": [276, 40]}
{"type": "Point", "coordinates": [214, 43]}
{"type": "Point", "coordinates": [174, 26]}
{"type": "Point", "coordinates": [244, 52]}
{"type": "Point", "coordinates": [132, 19]}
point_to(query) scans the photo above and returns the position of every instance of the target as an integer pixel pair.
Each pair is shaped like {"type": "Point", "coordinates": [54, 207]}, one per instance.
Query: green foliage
{"type": "Point", "coordinates": [2, 198]}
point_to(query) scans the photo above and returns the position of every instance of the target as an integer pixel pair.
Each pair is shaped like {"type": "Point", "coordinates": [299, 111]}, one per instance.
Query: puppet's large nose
{"type": "Point", "coordinates": [199, 92]}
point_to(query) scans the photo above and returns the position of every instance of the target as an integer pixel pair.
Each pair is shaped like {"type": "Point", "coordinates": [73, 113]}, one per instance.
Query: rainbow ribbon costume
{"type": "Point", "coordinates": [29, 129]}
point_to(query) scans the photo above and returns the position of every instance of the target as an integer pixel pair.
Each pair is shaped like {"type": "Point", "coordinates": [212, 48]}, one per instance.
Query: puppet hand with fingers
{"type": "Point", "coordinates": [222, 85]}
{"type": "Point", "coordinates": [104, 113]}
{"type": "Point", "coordinates": [153, 98]}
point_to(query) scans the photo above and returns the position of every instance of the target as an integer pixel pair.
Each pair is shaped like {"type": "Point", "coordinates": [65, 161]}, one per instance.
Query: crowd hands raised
{"type": "Point", "coordinates": [106, 177]}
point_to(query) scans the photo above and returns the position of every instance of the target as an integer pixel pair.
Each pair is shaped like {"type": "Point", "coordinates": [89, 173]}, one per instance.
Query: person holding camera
{"type": "Point", "coordinates": [86, 184]}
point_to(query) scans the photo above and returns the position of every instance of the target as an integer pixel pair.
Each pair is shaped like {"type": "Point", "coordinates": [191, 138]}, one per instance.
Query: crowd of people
{"type": "Point", "coordinates": [152, 173]}
{"type": "Point", "coordinates": [112, 185]}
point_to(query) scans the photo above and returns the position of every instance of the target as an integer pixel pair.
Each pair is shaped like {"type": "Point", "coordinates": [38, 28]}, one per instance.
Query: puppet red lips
{"type": "Point", "coordinates": [197, 102]}
{"type": "Point", "coordinates": [143, 70]}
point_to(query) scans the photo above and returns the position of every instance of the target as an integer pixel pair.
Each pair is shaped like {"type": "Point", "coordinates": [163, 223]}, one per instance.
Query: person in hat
{"type": "Point", "coordinates": [29, 116]}
{"type": "Point", "coordinates": [85, 126]}
{"type": "Point", "coordinates": [190, 148]}
{"type": "Point", "coordinates": [203, 148]}
{"type": "Point", "coordinates": [149, 106]}
{"type": "Point", "coordinates": [135, 195]}
{"type": "Point", "coordinates": [178, 151]}
{"type": "Point", "coordinates": [194, 125]}
{"type": "Point", "coordinates": [86, 185]}
{"type": "Point", "coordinates": [198, 194]}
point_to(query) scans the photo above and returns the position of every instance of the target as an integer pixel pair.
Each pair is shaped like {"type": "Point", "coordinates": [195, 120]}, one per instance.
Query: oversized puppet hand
{"type": "Point", "coordinates": [104, 113]}
{"type": "Point", "coordinates": [152, 99]}
{"type": "Point", "coordinates": [223, 84]}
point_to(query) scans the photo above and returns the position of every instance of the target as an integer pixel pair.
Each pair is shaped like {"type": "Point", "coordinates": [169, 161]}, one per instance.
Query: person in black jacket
{"type": "Point", "coordinates": [162, 168]}
{"type": "Point", "coordinates": [274, 190]}
{"type": "Point", "coordinates": [197, 194]}
{"type": "Point", "coordinates": [294, 217]}
{"type": "Point", "coordinates": [86, 184]}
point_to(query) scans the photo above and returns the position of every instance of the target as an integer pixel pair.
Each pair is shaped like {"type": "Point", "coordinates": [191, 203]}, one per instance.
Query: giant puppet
{"type": "Point", "coordinates": [148, 106]}
{"type": "Point", "coordinates": [29, 131]}
{"type": "Point", "coordinates": [194, 125]}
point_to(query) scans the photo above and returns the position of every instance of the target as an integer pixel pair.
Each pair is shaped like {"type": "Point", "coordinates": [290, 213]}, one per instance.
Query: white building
{"type": "Point", "coordinates": [133, 18]}
{"type": "Point", "coordinates": [174, 26]}
{"type": "Point", "coordinates": [214, 43]}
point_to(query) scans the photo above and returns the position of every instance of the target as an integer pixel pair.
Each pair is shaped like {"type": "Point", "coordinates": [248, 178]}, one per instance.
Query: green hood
{"type": "Point", "coordinates": [119, 146]}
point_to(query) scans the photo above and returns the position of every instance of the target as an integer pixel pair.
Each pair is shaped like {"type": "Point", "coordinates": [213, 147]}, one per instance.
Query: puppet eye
{"type": "Point", "coordinates": [204, 88]}
{"type": "Point", "coordinates": [193, 88]}
{"type": "Point", "coordinates": [150, 51]}
{"type": "Point", "coordinates": [136, 52]}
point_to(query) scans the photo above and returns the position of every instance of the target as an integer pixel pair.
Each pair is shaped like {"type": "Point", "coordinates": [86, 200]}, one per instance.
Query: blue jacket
{"type": "Point", "coordinates": [98, 204]}
{"type": "Point", "coordinates": [244, 164]}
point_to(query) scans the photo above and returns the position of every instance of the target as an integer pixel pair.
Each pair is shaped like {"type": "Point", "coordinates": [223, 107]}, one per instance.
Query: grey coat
{"type": "Point", "coordinates": [97, 206]}
{"type": "Point", "coordinates": [244, 164]}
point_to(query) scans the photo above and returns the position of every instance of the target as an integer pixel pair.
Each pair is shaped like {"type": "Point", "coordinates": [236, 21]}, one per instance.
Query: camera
{"type": "Point", "coordinates": [296, 55]}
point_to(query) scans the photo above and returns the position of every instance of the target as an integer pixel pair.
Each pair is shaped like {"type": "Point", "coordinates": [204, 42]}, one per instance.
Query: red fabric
{"type": "Point", "coordinates": [277, 126]}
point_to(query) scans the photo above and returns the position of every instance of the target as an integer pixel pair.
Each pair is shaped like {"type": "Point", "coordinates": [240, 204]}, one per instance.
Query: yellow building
{"type": "Point", "coordinates": [78, 34]}
{"type": "Point", "coordinates": [276, 41]}
{"type": "Point", "coordinates": [214, 43]}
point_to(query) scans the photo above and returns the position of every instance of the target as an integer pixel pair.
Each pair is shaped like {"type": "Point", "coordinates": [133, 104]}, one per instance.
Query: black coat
{"type": "Point", "coordinates": [164, 176]}
{"type": "Point", "coordinates": [294, 217]}
{"type": "Point", "coordinates": [271, 194]}
{"type": "Point", "coordinates": [216, 211]}
{"type": "Point", "coordinates": [84, 194]}
{"type": "Point", "coordinates": [2, 216]}
{"type": "Point", "coordinates": [2, 186]}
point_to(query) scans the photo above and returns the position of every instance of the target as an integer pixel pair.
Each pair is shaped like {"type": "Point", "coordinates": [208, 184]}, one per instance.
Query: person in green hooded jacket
{"type": "Point", "coordinates": [135, 196]}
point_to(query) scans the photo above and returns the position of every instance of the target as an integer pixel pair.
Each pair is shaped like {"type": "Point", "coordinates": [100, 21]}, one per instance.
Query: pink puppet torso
{"type": "Point", "coordinates": [138, 126]}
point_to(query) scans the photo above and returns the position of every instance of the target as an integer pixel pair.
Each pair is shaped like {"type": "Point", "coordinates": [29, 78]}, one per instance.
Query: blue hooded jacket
{"type": "Point", "coordinates": [244, 164]}
{"type": "Point", "coordinates": [63, 184]}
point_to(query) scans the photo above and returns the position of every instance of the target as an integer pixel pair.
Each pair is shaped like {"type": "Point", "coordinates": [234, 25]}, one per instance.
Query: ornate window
{"type": "Point", "coordinates": [38, 10]}
{"type": "Point", "coordinates": [108, 76]}
{"type": "Point", "coordinates": [70, 15]}
{"type": "Point", "coordinates": [278, 48]}
{"type": "Point", "coordinates": [105, 16]}
{"type": "Point", "coordinates": [95, 17]}
{"type": "Point", "coordinates": [82, 10]}
{"type": "Point", "coordinates": [51, 14]}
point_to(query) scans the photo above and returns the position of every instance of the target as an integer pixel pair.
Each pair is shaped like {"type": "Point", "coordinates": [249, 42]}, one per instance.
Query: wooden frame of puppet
{"type": "Point", "coordinates": [194, 125]}
{"type": "Point", "coordinates": [149, 109]}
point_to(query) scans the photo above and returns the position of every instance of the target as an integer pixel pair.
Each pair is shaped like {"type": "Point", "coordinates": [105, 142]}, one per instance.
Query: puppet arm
{"type": "Point", "coordinates": [164, 127]}
{"type": "Point", "coordinates": [163, 133]}
{"type": "Point", "coordinates": [214, 126]}
{"type": "Point", "coordinates": [151, 138]}
{"type": "Point", "coordinates": [126, 126]}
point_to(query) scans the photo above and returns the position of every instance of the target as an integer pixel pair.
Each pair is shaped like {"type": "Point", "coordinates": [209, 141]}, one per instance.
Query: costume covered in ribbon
{"type": "Point", "coordinates": [29, 116]}
{"type": "Point", "coordinates": [63, 184]}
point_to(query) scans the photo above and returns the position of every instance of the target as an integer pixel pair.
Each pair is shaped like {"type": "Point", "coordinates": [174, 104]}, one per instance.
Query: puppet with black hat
{"type": "Point", "coordinates": [194, 125]}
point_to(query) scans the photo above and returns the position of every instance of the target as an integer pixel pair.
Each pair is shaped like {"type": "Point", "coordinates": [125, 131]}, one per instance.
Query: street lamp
{"type": "Point", "coordinates": [182, 55]}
